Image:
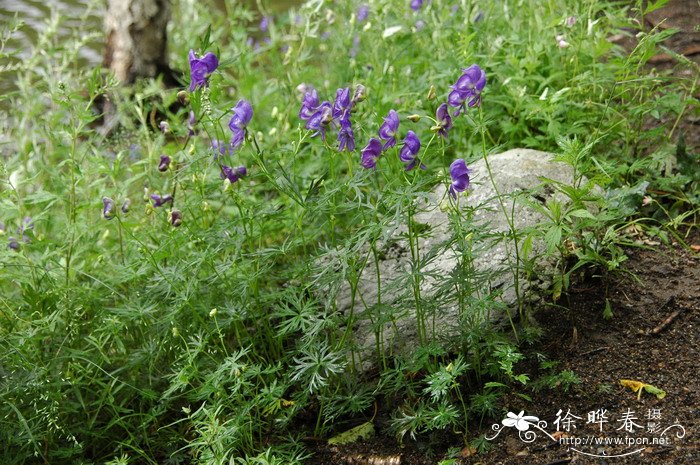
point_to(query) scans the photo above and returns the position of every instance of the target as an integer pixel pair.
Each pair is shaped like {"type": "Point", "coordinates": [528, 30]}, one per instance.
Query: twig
{"type": "Point", "coordinates": [599, 349]}
{"type": "Point", "coordinates": [667, 321]}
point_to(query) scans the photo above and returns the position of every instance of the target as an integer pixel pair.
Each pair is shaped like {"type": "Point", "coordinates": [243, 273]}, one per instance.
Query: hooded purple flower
{"type": "Point", "coordinates": [346, 138]}
{"type": "Point", "coordinates": [12, 243]}
{"type": "Point", "coordinates": [159, 201]}
{"type": "Point", "coordinates": [416, 4]}
{"type": "Point", "coordinates": [126, 205]}
{"type": "Point", "coordinates": [201, 68]}
{"type": "Point", "coordinates": [409, 151]}
{"type": "Point", "coordinates": [387, 131]}
{"type": "Point", "coordinates": [370, 153]}
{"type": "Point", "coordinates": [320, 120]}
{"type": "Point", "coordinates": [468, 87]}
{"type": "Point", "coordinates": [362, 13]}
{"type": "Point", "coordinates": [242, 114]}
{"type": "Point", "coordinates": [233, 174]}
{"type": "Point", "coordinates": [460, 177]}
{"type": "Point", "coordinates": [164, 163]}
{"type": "Point", "coordinates": [310, 104]}
{"type": "Point", "coordinates": [108, 208]}
{"type": "Point", "coordinates": [342, 104]}
{"type": "Point", "coordinates": [444, 120]}
{"type": "Point", "coordinates": [265, 23]}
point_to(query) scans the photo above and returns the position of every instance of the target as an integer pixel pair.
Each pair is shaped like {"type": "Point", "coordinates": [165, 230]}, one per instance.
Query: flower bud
{"type": "Point", "coordinates": [360, 94]}
{"type": "Point", "coordinates": [414, 118]}
{"type": "Point", "coordinates": [126, 205]}
{"type": "Point", "coordinates": [175, 217]}
{"type": "Point", "coordinates": [146, 194]}
{"type": "Point", "coordinates": [183, 97]}
{"type": "Point", "coordinates": [164, 163]}
{"type": "Point", "coordinates": [213, 313]}
{"type": "Point", "coordinates": [108, 208]}
{"type": "Point", "coordinates": [432, 94]}
{"type": "Point", "coordinates": [164, 127]}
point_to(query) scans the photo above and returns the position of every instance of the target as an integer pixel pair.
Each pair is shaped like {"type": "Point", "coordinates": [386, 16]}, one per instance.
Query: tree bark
{"type": "Point", "coordinates": [137, 39]}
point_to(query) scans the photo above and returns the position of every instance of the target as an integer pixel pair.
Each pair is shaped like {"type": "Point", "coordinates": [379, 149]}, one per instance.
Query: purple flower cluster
{"type": "Point", "coordinates": [467, 90]}
{"type": "Point", "coordinates": [25, 226]}
{"type": "Point", "coordinates": [387, 133]}
{"type": "Point", "coordinates": [319, 116]}
{"type": "Point", "coordinates": [233, 174]}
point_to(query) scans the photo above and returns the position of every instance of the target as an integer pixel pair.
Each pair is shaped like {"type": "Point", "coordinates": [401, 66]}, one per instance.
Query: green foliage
{"type": "Point", "coordinates": [220, 341]}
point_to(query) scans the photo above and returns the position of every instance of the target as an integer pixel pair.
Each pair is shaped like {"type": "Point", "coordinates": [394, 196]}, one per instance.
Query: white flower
{"type": "Point", "coordinates": [521, 422]}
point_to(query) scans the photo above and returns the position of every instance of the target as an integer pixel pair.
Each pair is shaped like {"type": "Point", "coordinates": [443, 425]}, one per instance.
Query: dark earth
{"type": "Point", "coordinates": [653, 337]}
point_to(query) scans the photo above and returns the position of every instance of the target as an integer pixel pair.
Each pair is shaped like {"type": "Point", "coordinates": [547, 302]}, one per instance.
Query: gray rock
{"type": "Point", "coordinates": [517, 173]}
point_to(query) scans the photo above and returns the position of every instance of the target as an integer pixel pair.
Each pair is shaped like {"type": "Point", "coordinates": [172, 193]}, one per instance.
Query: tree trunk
{"type": "Point", "coordinates": [137, 39]}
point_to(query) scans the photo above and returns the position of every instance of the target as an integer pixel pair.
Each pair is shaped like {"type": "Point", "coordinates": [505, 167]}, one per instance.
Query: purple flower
{"type": "Point", "coordinates": [242, 114]}
{"type": "Point", "coordinates": [191, 121]}
{"type": "Point", "coordinates": [233, 174]}
{"type": "Point", "coordinates": [370, 153]}
{"type": "Point", "coordinates": [125, 206]}
{"type": "Point", "coordinates": [159, 201]}
{"type": "Point", "coordinates": [444, 120]}
{"type": "Point", "coordinates": [570, 21]}
{"type": "Point", "coordinates": [164, 163]}
{"type": "Point", "coordinates": [420, 24]}
{"type": "Point", "coordinates": [362, 13]}
{"type": "Point", "coordinates": [346, 138]}
{"type": "Point", "coordinates": [221, 147]}
{"type": "Point", "coordinates": [460, 177]}
{"type": "Point", "coordinates": [201, 68]}
{"type": "Point", "coordinates": [409, 151]}
{"type": "Point", "coordinates": [175, 217]}
{"type": "Point", "coordinates": [265, 23]}
{"type": "Point", "coordinates": [342, 103]}
{"type": "Point", "coordinates": [468, 87]}
{"type": "Point", "coordinates": [310, 104]}
{"type": "Point", "coordinates": [164, 127]}
{"type": "Point", "coordinates": [12, 243]}
{"type": "Point", "coordinates": [320, 120]}
{"type": "Point", "coordinates": [387, 131]}
{"type": "Point", "coordinates": [108, 208]}
{"type": "Point", "coordinates": [416, 4]}
{"type": "Point", "coordinates": [360, 94]}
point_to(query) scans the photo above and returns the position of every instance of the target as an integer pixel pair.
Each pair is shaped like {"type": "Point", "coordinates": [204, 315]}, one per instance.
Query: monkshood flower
{"type": "Point", "coordinates": [387, 131]}
{"type": "Point", "coordinates": [126, 205]}
{"type": "Point", "coordinates": [233, 174]}
{"type": "Point", "coordinates": [460, 177]}
{"type": "Point", "coordinates": [444, 120]}
{"type": "Point", "coordinates": [201, 68]}
{"type": "Point", "coordinates": [370, 153]}
{"type": "Point", "coordinates": [320, 120]}
{"type": "Point", "coordinates": [175, 217]}
{"type": "Point", "coordinates": [362, 13]}
{"type": "Point", "coordinates": [346, 138]}
{"type": "Point", "coordinates": [570, 21]}
{"type": "Point", "coordinates": [561, 42]}
{"type": "Point", "coordinates": [159, 201]}
{"type": "Point", "coordinates": [310, 104]}
{"type": "Point", "coordinates": [242, 114]}
{"type": "Point", "coordinates": [108, 208]}
{"type": "Point", "coordinates": [420, 24]}
{"type": "Point", "coordinates": [409, 151]}
{"type": "Point", "coordinates": [164, 127]}
{"type": "Point", "coordinates": [360, 94]}
{"type": "Point", "coordinates": [191, 121]}
{"type": "Point", "coordinates": [164, 163]}
{"type": "Point", "coordinates": [416, 4]}
{"type": "Point", "coordinates": [468, 87]}
{"type": "Point", "coordinates": [342, 104]}
{"type": "Point", "coordinates": [12, 243]}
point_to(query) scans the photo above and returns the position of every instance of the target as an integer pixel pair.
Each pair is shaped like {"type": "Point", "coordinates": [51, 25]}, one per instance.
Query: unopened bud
{"type": "Point", "coordinates": [164, 127]}
{"type": "Point", "coordinates": [414, 118]}
{"type": "Point", "coordinates": [175, 217]}
{"type": "Point", "coordinates": [432, 94]}
{"type": "Point", "coordinates": [213, 312]}
{"type": "Point", "coordinates": [184, 97]}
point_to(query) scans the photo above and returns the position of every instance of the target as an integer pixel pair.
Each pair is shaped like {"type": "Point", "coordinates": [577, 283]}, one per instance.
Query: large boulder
{"type": "Point", "coordinates": [518, 175]}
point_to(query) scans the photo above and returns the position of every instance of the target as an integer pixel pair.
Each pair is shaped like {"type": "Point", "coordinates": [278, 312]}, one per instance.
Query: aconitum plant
{"type": "Point", "coordinates": [201, 68]}
{"type": "Point", "coordinates": [443, 119]}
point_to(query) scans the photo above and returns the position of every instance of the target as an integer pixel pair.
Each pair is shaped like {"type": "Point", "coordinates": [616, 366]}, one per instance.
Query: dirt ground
{"type": "Point", "coordinates": [653, 337]}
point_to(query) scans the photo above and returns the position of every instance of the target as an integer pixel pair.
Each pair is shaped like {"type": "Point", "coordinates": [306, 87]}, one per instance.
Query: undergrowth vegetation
{"type": "Point", "coordinates": [169, 286]}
